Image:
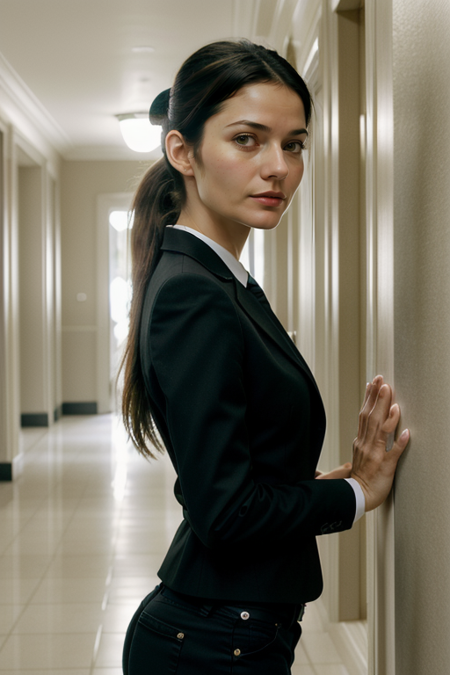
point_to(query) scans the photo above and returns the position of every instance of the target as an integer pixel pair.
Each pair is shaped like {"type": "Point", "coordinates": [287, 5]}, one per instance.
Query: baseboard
{"type": "Point", "coordinates": [350, 640]}
{"type": "Point", "coordinates": [82, 408]}
{"type": "Point", "coordinates": [57, 413]}
{"type": "Point", "coordinates": [6, 472]}
{"type": "Point", "coordinates": [34, 420]}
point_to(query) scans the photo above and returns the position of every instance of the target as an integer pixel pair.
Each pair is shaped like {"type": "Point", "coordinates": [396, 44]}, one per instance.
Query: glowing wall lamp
{"type": "Point", "coordinates": [138, 133]}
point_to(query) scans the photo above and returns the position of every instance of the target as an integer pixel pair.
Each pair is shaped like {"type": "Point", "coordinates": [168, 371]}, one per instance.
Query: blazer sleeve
{"type": "Point", "coordinates": [196, 350]}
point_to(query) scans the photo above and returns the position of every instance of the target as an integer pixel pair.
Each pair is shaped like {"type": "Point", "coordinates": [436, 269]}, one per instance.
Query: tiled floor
{"type": "Point", "coordinates": [82, 532]}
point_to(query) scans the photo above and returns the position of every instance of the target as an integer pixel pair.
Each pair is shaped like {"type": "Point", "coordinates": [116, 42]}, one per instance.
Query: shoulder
{"type": "Point", "coordinates": [193, 295]}
{"type": "Point", "coordinates": [186, 297]}
{"type": "Point", "coordinates": [179, 278]}
{"type": "Point", "coordinates": [191, 320]}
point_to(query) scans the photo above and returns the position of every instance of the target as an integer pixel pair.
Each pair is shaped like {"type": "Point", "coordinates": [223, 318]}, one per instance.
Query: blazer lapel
{"type": "Point", "coordinates": [179, 241]}
{"type": "Point", "coordinates": [269, 323]}
{"type": "Point", "coordinates": [184, 242]}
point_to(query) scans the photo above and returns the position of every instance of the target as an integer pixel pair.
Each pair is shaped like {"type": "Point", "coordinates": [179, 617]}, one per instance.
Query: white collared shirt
{"type": "Point", "coordinates": [230, 261]}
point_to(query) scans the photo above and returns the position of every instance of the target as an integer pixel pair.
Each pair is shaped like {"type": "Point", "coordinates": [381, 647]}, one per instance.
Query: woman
{"type": "Point", "coordinates": [211, 369]}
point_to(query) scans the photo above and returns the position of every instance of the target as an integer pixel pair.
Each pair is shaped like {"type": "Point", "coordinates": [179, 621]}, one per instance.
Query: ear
{"type": "Point", "coordinates": [179, 153]}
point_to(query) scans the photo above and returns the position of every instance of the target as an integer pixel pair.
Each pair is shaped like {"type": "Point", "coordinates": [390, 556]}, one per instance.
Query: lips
{"type": "Point", "coordinates": [269, 198]}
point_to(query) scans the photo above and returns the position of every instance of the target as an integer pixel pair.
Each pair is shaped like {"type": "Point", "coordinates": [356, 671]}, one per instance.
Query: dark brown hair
{"type": "Point", "coordinates": [206, 79]}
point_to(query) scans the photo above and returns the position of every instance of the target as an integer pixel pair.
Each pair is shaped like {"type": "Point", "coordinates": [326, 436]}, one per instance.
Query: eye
{"type": "Point", "coordinates": [245, 140]}
{"type": "Point", "coordinates": [295, 147]}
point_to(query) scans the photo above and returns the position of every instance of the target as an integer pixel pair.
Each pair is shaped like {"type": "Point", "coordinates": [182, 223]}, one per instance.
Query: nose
{"type": "Point", "coordinates": [274, 163]}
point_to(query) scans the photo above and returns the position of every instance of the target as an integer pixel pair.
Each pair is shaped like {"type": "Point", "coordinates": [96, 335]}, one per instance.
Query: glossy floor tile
{"type": "Point", "coordinates": [83, 530]}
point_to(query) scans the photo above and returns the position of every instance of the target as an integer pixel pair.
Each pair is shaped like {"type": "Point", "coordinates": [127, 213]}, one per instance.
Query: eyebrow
{"type": "Point", "coordinates": [263, 127]}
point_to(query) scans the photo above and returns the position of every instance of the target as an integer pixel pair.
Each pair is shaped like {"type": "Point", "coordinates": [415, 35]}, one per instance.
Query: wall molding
{"type": "Point", "coordinates": [346, 5]}
{"type": "Point", "coordinates": [80, 408]}
{"type": "Point", "coordinates": [380, 313]}
{"type": "Point", "coordinates": [22, 98]}
{"type": "Point", "coordinates": [6, 471]}
{"type": "Point", "coordinates": [34, 420]}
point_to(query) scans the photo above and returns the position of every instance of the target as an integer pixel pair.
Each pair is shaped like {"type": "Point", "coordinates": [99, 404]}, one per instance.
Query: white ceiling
{"type": "Point", "coordinates": [77, 57]}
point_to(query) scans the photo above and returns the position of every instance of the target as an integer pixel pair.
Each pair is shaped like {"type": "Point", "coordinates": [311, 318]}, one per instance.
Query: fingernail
{"type": "Point", "coordinates": [404, 435]}
{"type": "Point", "coordinates": [394, 409]}
{"type": "Point", "coordinates": [382, 391]}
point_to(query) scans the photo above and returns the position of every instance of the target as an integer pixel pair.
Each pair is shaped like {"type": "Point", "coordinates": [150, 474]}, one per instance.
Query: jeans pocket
{"type": "Point", "coordinates": [155, 648]}
{"type": "Point", "coordinates": [253, 636]}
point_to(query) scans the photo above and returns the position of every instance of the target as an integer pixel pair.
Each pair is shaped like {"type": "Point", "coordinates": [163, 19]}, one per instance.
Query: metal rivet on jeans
{"type": "Point", "coordinates": [245, 616]}
{"type": "Point", "coordinates": [237, 652]}
{"type": "Point", "coordinates": [180, 636]}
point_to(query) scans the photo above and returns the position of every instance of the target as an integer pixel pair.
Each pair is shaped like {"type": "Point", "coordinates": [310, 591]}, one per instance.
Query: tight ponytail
{"type": "Point", "coordinates": [204, 82]}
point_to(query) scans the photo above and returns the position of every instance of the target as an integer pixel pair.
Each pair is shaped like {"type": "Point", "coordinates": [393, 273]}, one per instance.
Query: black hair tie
{"type": "Point", "coordinates": [160, 107]}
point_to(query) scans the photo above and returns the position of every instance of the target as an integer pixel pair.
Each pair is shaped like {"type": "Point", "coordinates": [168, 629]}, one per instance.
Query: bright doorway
{"type": "Point", "coordinates": [113, 292]}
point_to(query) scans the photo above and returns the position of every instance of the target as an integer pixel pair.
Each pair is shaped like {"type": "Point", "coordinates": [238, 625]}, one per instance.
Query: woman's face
{"type": "Point", "coordinates": [250, 160]}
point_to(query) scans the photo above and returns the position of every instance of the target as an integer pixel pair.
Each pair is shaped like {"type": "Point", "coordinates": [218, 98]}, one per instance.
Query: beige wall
{"type": "Point", "coordinates": [422, 332]}
{"type": "Point", "coordinates": [29, 363]}
{"type": "Point", "coordinates": [81, 183]}
{"type": "Point", "coordinates": [31, 284]}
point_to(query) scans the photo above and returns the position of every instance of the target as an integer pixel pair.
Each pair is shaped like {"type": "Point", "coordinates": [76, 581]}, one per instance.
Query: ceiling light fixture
{"type": "Point", "coordinates": [138, 133]}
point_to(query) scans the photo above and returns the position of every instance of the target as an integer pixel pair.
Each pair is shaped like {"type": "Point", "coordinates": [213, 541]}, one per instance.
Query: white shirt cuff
{"type": "Point", "coordinates": [359, 496]}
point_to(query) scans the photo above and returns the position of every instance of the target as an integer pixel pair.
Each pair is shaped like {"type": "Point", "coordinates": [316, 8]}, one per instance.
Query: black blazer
{"type": "Point", "coordinates": [242, 419]}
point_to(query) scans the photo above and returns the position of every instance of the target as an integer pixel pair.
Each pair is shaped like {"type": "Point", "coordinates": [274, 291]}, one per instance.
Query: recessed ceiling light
{"type": "Point", "coordinates": [143, 50]}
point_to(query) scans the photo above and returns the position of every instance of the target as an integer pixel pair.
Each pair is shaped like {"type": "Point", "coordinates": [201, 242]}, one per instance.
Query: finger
{"type": "Point", "coordinates": [364, 408]}
{"type": "Point", "coordinates": [378, 416]}
{"type": "Point", "coordinates": [375, 388]}
{"type": "Point", "coordinates": [369, 402]}
{"type": "Point", "coordinates": [399, 447]}
{"type": "Point", "coordinates": [366, 394]}
{"type": "Point", "coordinates": [390, 424]}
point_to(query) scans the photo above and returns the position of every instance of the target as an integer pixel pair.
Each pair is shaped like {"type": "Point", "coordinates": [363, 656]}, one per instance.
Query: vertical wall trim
{"type": "Point", "coordinates": [14, 304]}
{"type": "Point", "coordinates": [105, 204]}
{"type": "Point", "coordinates": [103, 340]}
{"type": "Point", "coordinates": [4, 286]}
{"type": "Point", "coordinates": [380, 312]}
{"type": "Point", "coordinates": [47, 304]}
{"type": "Point", "coordinates": [56, 209]}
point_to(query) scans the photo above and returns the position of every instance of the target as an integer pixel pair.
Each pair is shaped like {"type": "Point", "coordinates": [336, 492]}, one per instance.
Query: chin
{"type": "Point", "coordinates": [265, 224]}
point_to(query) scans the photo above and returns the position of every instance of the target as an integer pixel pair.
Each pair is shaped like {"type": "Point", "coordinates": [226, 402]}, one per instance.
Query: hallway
{"type": "Point", "coordinates": [82, 532]}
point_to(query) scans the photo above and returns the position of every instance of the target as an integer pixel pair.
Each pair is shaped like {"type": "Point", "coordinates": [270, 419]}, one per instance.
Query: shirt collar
{"type": "Point", "coordinates": [235, 267]}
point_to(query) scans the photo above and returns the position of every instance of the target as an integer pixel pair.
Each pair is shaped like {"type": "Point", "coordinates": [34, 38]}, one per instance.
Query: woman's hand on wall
{"type": "Point", "coordinates": [343, 471]}
{"type": "Point", "coordinates": [373, 467]}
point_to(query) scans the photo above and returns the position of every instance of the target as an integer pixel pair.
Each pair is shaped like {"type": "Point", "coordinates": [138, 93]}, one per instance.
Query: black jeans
{"type": "Point", "coordinates": [172, 633]}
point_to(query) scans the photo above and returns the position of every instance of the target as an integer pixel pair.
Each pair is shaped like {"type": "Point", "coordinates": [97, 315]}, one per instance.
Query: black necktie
{"type": "Point", "coordinates": [256, 290]}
